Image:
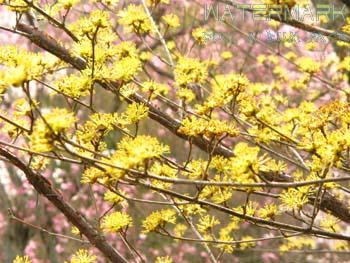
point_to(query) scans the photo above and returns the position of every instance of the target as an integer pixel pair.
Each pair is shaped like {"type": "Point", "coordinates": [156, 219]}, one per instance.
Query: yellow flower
{"type": "Point", "coordinates": [341, 245]}
{"type": "Point", "coordinates": [166, 259]}
{"type": "Point", "coordinates": [345, 64]}
{"type": "Point", "coordinates": [225, 88]}
{"type": "Point", "coordinates": [39, 163]}
{"type": "Point", "coordinates": [190, 71]}
{"type": "Point", "coordinates": [16, 76]}
{"type": "Point", "coordinates": [346, 27]}
{"type": "Point", "coordinates": [75, 231]}
{"type": "Point", "coordinates": [86, 27]}
{"type": "Point", "coordinates": [180, 229]}
{"type": "Point", "coordinates": [226, 55]}
{"type": "Point", "coordinates": [297, 243]}
{"type": "Point", "coordinates": [269, 211]}
{"type": "Point", "coordinates": [200, 34]}
{"type": "Point", "coordinates": [207, 223]}
{"type": "Point", "coordinates": [159, 219]}
{"type": "Point", "coordinates": [18, 6]}
{"type": "Point", "coordinates": [247, 158]}
{"type": "Point", "coordinates": [248, 209]}
{"type": "Point", "coordinates": [91, 175]}
{"type": "Point", "coordinates": [219, 195]}
{"type": "Point", "coordinates": [24, 259]}
{"type": "Point", "coordinates": [58, 121]}
{"type": "Point", "coordinates": [22, 107]}
{"type": "Point", "coordinates": [135, 19]}
{"type": "Point", "coordinates": [90, 134]}
{"type": "Point", "coordinates": [225, 236]}
{"type": "Point", "coordinates": [64, 4]}
{"type": "Point", "coordinates": [83, 256]}
{"type": "Point", "coordinates": [156, 2]}
{"type": "Point", "coordinates": [145, 56]}
{"type": "Point", "coordinates": [113, 198]}
{"type": "Point", "coordinates": [125, 69]}
{"type": "Point", "coordinates": [185, 95]}
{"type": "Point", "coordinates": [155, 88]}
{"type": "Point", "coordinates": [171, 45]}
{"type": "Point", "coordinates": [141, 148]}
{"type": "Point", "coordinates": [172, 20]}
{"type": "Point", "coordinates": [330, 223]}
{"type": "Point", "coordinates": [163, 170]}
{"type": "Point", "coordinates": [135, 112]}
{"type": "Point", "coordinates": [115, 222]}
{"type": "Point", "coordinates": [192, 209]}
{"type": "Point", "coordinates": [196, 169]}
{"type": "Point", "coordinates": [75, 85]}
{"type": "Point", "coordinates": [293, 199]}
{"type": "Point", "coordinates": [247, 244]}
{"type": "Point", "coordinates": [308, 65]}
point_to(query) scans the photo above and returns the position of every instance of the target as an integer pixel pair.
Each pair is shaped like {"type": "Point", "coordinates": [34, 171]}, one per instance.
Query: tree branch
{"type": "Point", "coordinates": [331, 203]}
{"type": "Point", "coordinates": [44, 187]}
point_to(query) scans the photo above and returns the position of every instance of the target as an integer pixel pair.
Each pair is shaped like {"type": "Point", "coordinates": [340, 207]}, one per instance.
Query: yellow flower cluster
{"type": "Point", "coordinates": [297, 243]}
{"type": "Point", "coordinates": [154, 88]}
{"type": "Point", "coordinates": [113, 198]}
{"type": "Point", "coordinates": [242, 168]}
{"type": "Point", "coordinates": [83, 256]}
{"type": "Point", "coordinates": [159, 219]}
{"type": "Point", "coordinates": [248, 209]}
{"type": "Point", "coordinates": [330, 223]}
{"type": "Point", "coordinates": [17, 5]}
{"type": "Point", "coordinates": [135, 152]}
{"type": "Point", "coordinates": [193, 126]}
{"type": "Point", "coordinates": [289, 3]}
{"type": "Point", "coordinates": [308, 65]}
{"type": "Point", "coordinates": [269, 211]}
{"type": "Point", "coordinates": [86, 27]}
{"type": "Point", "coordinates": [346, 27]}
{"type": "Point", "coordinates": [156, 2]}
{"type": "Point", "coordinates": [171, 20]}
{"type": "Point", "coordinates": [163, 170]}
{"type": "Point", "coordinates": [293, 199]}
{"type": "Point", "coordinates": [74, 85]}
{"type": "Point", "coordinates": [200, 34]}
{"type": "Point", "coordinates": [126, 69]}
{"type": "Point", "coordinates": [132, 153]}
{"type": "Point", "coordinates": [46, 130]}
{"type": "Point", "coordinates": [135, 19]}
{"type": "Point", "coordinates": [218, 195]}
{"type": "Point", "coordinates": [116, 222]}
{"type": "Point", "coordinates": [185, 94]}
{"type": "Point", "coordinates": [90, 134]}
{"type": "Point", "coordinates": [91, 175]}
{"type": "Point", "coordinates": [226, 55]}
{"type": "Point", "coordinates": [190, 71]}
{"type": "Point", "coordinates": [225, 88]}
{"type": "Point", "coordinates": [24, 259]}
{"type": "Point", "coordinates": [180, 229]}
{"type": "Point", "coordinates": [192, 209]}
{"type": "Point", "coordinates": [135, 112]}
{"type": "Point", "coordinates": [207, 223]}
{"type": "Point", "coordinates": [22, 66]}
{"type": "Point", "coordinates": [166, 259]}
{"type": "Point", "coordinates": [61, 5]}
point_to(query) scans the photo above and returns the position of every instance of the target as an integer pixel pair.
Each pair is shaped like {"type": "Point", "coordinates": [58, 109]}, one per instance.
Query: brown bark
{"type": "Point", "coordinates": [331, 203]}
{"type": "Point", "coordinates": [44, 187]}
